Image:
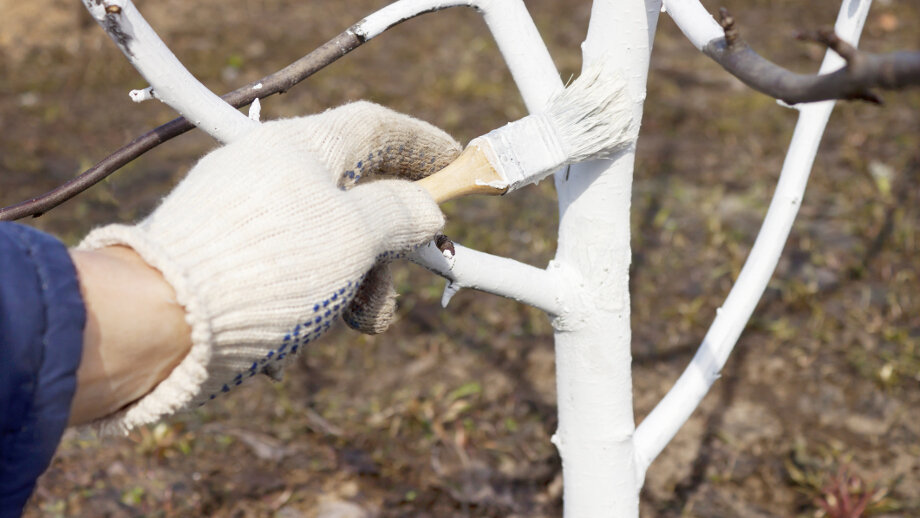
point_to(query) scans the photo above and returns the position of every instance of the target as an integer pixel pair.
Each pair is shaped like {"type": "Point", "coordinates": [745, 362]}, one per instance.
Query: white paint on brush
{"type": "Point", "coordinates": [524, 151]}
{"type": "Point", "coordinates": [590, 119]}
{"type": "Point", "coordinates": [495, 184]}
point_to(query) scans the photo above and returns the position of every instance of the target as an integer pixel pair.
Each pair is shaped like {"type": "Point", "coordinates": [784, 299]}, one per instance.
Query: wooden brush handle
{"type": "Point", "coordinates": [470, 173]}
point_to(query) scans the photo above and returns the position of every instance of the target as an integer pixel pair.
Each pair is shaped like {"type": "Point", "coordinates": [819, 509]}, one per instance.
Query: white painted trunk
{"type": "Point", "coordinates": [593, 360]}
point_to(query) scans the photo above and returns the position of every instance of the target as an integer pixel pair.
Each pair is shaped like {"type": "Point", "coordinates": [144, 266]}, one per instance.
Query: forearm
{"type": "Point", "coordinates": [135, 331]}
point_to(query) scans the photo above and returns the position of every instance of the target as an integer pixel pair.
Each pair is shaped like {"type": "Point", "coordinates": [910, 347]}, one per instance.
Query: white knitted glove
{"type": "Point", "coordinates": [265, 247]}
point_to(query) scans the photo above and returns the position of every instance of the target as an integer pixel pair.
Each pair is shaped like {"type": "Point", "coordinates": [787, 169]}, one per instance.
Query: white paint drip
{"type": "Point", "coordinates": [450, 290]}
{"type": "Point", "coordinates": [784, 104]}
{"type": "Point", "coordinates": [255, 109]}
{"type": "Point", "coordinates": [495, 184]}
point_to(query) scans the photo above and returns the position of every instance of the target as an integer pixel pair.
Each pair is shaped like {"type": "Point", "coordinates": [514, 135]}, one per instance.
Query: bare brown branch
{"type": "Point", "coordinates": [278, 82]}
{"type": "Point", "coordinates": [863, 72]}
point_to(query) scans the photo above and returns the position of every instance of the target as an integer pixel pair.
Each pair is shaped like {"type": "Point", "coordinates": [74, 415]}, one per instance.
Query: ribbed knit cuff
{"type": "Point", "coordinates": [185, 382]}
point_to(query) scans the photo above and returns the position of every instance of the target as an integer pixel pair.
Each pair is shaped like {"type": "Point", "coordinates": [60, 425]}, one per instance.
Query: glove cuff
{"type": "Point", "coordinates": [184, 383]}
{"type": "Point", "coordinates": [234, 337]}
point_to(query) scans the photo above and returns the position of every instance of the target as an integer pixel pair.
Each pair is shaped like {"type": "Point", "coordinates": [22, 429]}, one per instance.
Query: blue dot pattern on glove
{"type": "Point", "coordinates": [420, 161]}
{"type": "Point", "coordinates": [354, 174]}
{"type": "Point", "coordinates": [320, 320]}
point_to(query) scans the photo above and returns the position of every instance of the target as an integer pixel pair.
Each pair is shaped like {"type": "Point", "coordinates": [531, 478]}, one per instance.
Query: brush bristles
{"type": "Point", "coordinates": [593, 116]}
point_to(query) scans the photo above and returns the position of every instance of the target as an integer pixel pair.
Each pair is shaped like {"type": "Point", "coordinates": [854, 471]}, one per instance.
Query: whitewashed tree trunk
{"type": "Point", "coordinates": [585, 289]}
{"type": "Point", "coordinates": [593, 359]}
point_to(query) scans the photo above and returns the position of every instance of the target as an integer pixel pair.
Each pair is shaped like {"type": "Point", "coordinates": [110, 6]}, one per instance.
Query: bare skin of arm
{"type": "Point", "coordinates": [135, 332]}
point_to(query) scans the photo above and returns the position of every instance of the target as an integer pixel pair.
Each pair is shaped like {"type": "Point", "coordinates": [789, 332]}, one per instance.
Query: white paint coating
{"type": "Point", "coordinates": [523, 49]}
{"type": "Point", "coordinates": [255, 109]}
{"type": "Point", "coordinates": [144, 94]}
{"type": "Point", "coordinates": [536, 77]}
{"type": "Point", "coordinates": [512, 27]}
{"type": "Point", "coordinates": [593, 361]}
{"type": "Point", "coordinates": [174, 85]}
{"type": "Point", "coordinates": [450, 290]}
{"type": "Point", "coordinates": [591, 118]}
{"type": "Point", "coordinates": [694, 21]}
{"type": "Point", "coordinates": [379, 21]}
{"type": "Point", "coordinates": [524, 151]}
{"type": "Point", "coordinates": [492, 274]}
{"type": "Point", "coordinates": [670, 414]}
{"type": "Point", "coordinates": [586, 287]}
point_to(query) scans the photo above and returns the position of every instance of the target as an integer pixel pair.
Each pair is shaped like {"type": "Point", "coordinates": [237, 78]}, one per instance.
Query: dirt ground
{"type": "Point", "coordinates": [450, 412]}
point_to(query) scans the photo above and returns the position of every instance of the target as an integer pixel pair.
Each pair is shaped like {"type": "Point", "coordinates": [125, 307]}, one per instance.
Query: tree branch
{"type": "Point", "coordinates": [172, 83]}
{"type": "Point", "coordinates": [863, 71]}
{"type": "Point", "coordinates": [278, 82]}
{"type": "Point", "coordinates": [282, 80]}
{"type": "Point", "coordinates": [662, 423]}
{"type": "Point", "coordinates": [467, 268]}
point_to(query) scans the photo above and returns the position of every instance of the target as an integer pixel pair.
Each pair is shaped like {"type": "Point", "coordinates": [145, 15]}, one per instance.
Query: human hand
{"type": "Point", "coordinates": [265, 244]}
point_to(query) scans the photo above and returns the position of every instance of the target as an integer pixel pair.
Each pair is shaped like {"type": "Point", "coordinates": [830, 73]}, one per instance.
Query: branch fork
{"type": "Point", "coordinates": [863, 71]}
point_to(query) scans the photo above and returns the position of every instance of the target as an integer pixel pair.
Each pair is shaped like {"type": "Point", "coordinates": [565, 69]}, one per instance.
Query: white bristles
{"type": "Point", "coordinates": [592, 116]}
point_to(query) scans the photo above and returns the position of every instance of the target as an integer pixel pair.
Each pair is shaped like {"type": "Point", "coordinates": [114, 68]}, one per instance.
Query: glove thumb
{"type": "Point", "coordinates": [399, 216]}
{"type": "Point", "coordinates": [374, 306]}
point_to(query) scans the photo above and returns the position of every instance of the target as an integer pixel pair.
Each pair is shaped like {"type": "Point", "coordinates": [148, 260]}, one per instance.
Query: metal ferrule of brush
{"type": "Point", "coordinates": [524, 151]}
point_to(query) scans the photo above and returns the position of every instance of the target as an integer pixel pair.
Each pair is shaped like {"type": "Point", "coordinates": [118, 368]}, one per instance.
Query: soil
{"type": "Point", "coordinates": [449, 413]}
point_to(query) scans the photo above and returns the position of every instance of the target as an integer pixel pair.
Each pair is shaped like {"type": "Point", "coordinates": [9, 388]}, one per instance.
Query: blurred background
{"type": "Point", "coordinates": [450, 412]}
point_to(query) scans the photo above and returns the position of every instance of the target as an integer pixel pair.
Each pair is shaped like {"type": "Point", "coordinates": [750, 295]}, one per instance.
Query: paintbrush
{"type": "Point", "coordinates": [591, 118]}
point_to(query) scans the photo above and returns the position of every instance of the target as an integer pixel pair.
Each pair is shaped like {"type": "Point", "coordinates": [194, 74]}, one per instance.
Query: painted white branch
{"type": "Point", "coordinates": [670, 414]}
{"type": "Point", "coordinates": [512, 27]}
{"type": "Point", "coordinates": [171, 82]}
{"type": "Point", "coordinates": [397, 12]}
{"type": "Point", "coordinates": [694, 21]}
{"type": "Point", "coordinates": [522, 47]}
{"type": "Point", "coordinates": [536, 76]}
{"type": "Point", "coordinates": [144, 94]}
{"type": "Point", "coordinates": [501, 276]}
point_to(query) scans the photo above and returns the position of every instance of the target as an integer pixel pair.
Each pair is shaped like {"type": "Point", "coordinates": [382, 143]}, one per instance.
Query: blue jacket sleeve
{"type": "Point", "coordinates": [41, 340]}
